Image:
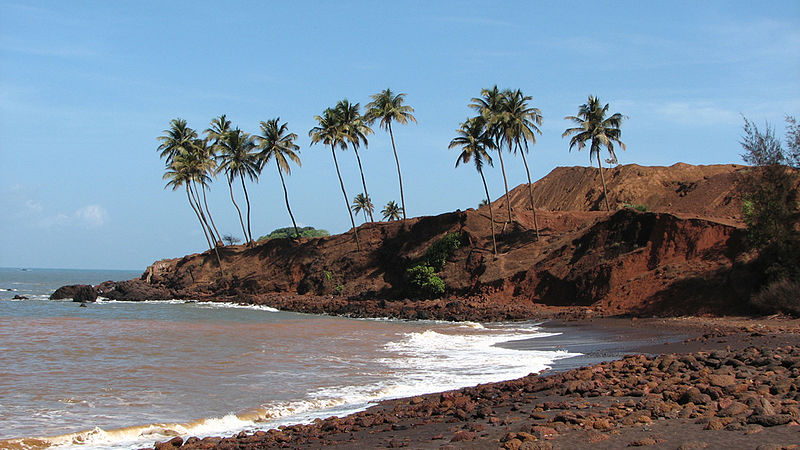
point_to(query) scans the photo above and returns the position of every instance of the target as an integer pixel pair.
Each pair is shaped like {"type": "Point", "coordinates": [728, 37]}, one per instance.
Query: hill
{"type": "Point", "coordinates": [686, 256]}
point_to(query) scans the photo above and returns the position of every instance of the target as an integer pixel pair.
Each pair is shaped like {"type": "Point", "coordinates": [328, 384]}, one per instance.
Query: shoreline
{"type": "Point", "coordinates": [520, 412]}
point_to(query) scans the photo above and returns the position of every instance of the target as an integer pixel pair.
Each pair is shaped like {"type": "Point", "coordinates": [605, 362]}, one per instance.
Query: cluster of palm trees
{"type": "Point", "coordinates": [191, 162]}
{"type": "Point", "coordinates": [505, 120]}
{"type": "Point", "coordinates": [344, 126]}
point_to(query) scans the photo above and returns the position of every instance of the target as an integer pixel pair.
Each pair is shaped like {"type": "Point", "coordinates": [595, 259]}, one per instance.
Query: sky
{"type": "Point", "coordinates": [86, 88]}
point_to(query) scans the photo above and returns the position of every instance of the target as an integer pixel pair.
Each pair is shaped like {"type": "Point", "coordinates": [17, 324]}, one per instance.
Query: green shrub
{"type": "Point", "coordinates": [288, 232]}
{"type": "Point", "coordinates": [779, 296]}
{"type": "Point", "coordinates": [423, 281]}
{"type": "Point", "coordinates": [640, 208]}
{"type": "Point", "coordinates": [436, 256]}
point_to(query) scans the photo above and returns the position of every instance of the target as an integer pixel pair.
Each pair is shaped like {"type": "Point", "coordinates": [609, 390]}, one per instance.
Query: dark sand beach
{"type": "Point", "coordinates": [660, 383]}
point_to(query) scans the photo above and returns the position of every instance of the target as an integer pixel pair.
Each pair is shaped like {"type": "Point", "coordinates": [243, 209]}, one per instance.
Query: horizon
{"type": "Point", "coordinates": [89, 86]}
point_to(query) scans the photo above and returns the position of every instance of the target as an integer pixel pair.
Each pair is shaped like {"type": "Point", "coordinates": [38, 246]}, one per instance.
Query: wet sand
{"type": "Point", "coordinates": [694, 383]}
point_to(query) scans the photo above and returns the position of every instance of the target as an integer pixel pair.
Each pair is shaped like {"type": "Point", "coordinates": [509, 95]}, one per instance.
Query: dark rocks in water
{"type": "Point", "coordinates": [20, 297]}
{"type": "Point", "coordinates": [85, 294]}
{"type": "Point", "coordinates": [133, 290]}
{"type": "Point", "coordinates": [67, 291]}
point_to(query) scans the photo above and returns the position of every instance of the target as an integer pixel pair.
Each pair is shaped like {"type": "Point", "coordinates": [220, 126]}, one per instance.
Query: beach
{"type": "Point", "coordinates": [724, 382]}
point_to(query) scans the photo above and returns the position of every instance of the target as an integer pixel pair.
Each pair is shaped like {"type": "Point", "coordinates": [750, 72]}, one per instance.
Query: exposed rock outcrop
{"type": "Point", "coordinates": [85, 294]}
{"type": "Point", "coordinates": [689, 261]}
{"type": "Point", "coordinates": [67, 291]}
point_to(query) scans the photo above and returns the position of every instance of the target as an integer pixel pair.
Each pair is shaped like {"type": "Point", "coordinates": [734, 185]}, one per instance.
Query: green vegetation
{"type": "Point", "coordinates": [438, 253]}
{"type": "Point", "coordinates": [640, 208]}
{"type": "Point", "coordinates": [601, 131]}
{"type": "Point", "coordinates": [772, 214]}
{"type": "Point", "coordinates": [289, 232]}
{"type": "Point", "coordinates": [423, 281]}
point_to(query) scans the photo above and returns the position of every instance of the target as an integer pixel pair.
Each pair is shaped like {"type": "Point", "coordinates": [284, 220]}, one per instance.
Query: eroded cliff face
{"type": "Point", "coordinates": [622, 262]}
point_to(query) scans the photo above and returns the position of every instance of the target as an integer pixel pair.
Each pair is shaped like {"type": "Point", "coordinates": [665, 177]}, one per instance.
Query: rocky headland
{"type": "Point", "coordinates": [685, 254]}
{"type": "Point", "coordinates": [674, 245]}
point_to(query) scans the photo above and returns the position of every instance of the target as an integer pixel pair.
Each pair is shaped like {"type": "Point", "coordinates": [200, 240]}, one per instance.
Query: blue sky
{"type": "Point", "coordinates": [86, 87]}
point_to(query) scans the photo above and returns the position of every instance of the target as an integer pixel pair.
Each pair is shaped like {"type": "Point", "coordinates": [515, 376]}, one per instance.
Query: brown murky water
{"type": "Point", "coordinates": [123, 375]}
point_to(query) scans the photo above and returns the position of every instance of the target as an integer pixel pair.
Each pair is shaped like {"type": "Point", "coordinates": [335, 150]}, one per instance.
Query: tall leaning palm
{"type": "Point", "coordinates": [520, 124]}
{"type": "Point", "coordinates": [329, 132]}
{"type": "Point", "coordinates": [490, 106]}
{"type": "Point", "coordinates": [474, 140]}
{"type": "Point", "coordinates": [601, 131]}
{"type": "Point", "coordinates": [217, 135]}
{"type": "Point", "coordinates": [277, 143]}
{"type": "Point", "coordinates": [387, 107]}
{"type": "Point", "coordinates": [238, 158]}
{"type": "Point", "coordinates": [179, 138]}
{"type": "Point", "coordinates": [354, 130]}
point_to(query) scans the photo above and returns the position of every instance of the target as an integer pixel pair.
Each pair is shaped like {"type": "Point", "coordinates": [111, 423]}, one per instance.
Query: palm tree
{"type": "Point", "coordinates": [238, 158]}
{"type": "Point", "coordinates": [184, 170]}
{"type": "Point", "coordinates": [179, 138]}
{"type": "Point", "coordinates": [329, 132]}
{"type": "Point", "coordinates": [206, 159]}
{"type": "Point", "coordinates": [363, 203]}
{"type": "Point", "coordinates": [391, 211]}
{"type": "Point", "coordinates": [355, 131]}
{"type": "Point", "coordinates": [520, 125]}
{"type": "Point", "coordinates": [217, 134]}
{"type": "Point", "coordinates": [277, 143]}
{"type": "Point", "coordinates": [490, 107]}
{"type": "Point", "coordinates": [388, 107]}
{"type": "Point", "coordinates": [593, 125]}
{"type": "Point", "coordinates": [474, 139]}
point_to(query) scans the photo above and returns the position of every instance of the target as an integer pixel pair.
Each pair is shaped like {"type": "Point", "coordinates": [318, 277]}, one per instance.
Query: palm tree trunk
{"type": "Point", "coordinates": [286, 196]}
{"type": "Point", "coordinates": [241, 220]}
{"type": "Point", "coordinates": [196, 197]}
{"type": "Point", "coordinates": [363, 183]}
{"type": "Point", "coordinates": [194, 208]}
{"type": "Point", "coordinates": [530, 190]}
{"type": "Point", "coordinates": [210, 218]}
{"type": "Point", "coordinates": [346, 201]}
{"type": "Point", "coordinates": [491, 213]}
{"type": "Point", "coordinates": [505, 183]}
{"type": "Point", "coordinates": [603, 179]}
{"type": "Point", "coordinates": [399, 175]}
{"type": "Point", "coordinates": [203, 219]}
{"type": "Point", "coordinates": [247, 198]}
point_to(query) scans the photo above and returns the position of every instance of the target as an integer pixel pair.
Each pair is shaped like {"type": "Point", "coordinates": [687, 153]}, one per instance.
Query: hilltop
{"type": "Point", "coordinates": [686, 255]}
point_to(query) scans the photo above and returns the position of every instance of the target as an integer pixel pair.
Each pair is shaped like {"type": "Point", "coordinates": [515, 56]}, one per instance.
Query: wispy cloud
{"type": "Point", "coordinates": [89, 216]}
{"type": "Point", "coordinates": [697, 113]}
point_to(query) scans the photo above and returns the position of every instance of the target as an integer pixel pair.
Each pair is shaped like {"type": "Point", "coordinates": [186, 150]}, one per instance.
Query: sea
{"type": "Point", "coordinates": [120, 375]}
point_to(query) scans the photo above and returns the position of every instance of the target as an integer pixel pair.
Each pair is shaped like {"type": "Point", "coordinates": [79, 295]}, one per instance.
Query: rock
{"type": "Point", "coordinates": [693, 395]}
{"type": "Point", "coordinates": [172, 443]}
{"type": "Point", "coordinates": [769, 420]}
{"type": "Point", "coordinates": [734, 409]}
{"type": "Point", "coordinates": [693, 445]}
{"type": "Point", "coordinates": [67, 291]}
{"type": "Point", "coordinates": [20, 297]}
{"type": "Point", "coordinates": [85, 294]}
{"type": "Point", "coordinates": [721, 380]}
{"type": "Point", "coordinates": [133, 290]}
{"type": "Point", "coordinates": [462, 435]}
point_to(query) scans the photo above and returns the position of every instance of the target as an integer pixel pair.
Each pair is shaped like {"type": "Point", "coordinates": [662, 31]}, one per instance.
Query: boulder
{"type": "Point", "coordinates": [67, 291]}
{"type": "Point", "coordinates": [85, 294]}
{"type": "Point", "coordinates": [133, 290]}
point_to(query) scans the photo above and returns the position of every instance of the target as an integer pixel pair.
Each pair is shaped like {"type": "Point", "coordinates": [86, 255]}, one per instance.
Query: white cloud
{"type": "Point", "coordinates": [92, 215]}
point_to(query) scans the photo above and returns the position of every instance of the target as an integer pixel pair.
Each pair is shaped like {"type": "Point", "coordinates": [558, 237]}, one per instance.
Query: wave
{"type": "Point", "coordinates": [201, 304]}
{"type": "Point", "coordinates": [464, 354]}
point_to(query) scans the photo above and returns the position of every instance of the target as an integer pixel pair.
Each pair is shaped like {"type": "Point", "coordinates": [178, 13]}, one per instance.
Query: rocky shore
{"type": "Point", "coordinates": [735, 385]}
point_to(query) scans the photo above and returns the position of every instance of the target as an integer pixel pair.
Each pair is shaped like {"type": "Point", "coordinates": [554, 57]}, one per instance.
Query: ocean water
{"type": "Point", "coordinates": [128, 374]}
